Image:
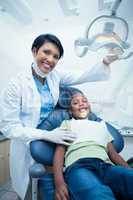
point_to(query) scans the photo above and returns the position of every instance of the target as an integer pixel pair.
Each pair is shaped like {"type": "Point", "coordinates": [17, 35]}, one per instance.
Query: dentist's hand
{"type": "Point", "coordinates": [62, 137]}
{"type": "Point", "coordinates": [107, 60]}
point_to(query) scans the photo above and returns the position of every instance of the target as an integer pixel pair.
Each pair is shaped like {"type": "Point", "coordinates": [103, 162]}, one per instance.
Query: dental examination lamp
{"type": "Point", "coordinates": [107, 32]}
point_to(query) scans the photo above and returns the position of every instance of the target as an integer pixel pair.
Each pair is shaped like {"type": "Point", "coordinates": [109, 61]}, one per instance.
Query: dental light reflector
{"type": "Point", "coordinates": [108, 25]}
{"type": "Point", "coordinates": [105, 32]}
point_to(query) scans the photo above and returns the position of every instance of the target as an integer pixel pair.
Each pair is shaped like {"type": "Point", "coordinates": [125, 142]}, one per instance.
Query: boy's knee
{"type": "Point", "coordinates": [95, 193]}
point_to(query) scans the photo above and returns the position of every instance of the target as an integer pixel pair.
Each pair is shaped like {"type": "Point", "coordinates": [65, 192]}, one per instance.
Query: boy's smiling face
{"type": "Point", "coordinates": [80, 107]}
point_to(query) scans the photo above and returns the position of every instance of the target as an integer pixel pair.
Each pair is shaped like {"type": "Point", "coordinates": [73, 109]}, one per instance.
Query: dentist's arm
{"type": "Point", "coordinates": [99, 72]}
{"type": "Point", "coordinates": [12, 126]}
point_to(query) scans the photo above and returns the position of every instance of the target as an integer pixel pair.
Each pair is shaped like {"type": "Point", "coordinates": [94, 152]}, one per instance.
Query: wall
{"type": "Point", "coordinates": [16, 55]}
{"type": "Point", "coordinates": [106, 97]}
{"type": "Point", "coordinates": [127, 152]}
{"type": "Point", "coordinates": [4, 162]}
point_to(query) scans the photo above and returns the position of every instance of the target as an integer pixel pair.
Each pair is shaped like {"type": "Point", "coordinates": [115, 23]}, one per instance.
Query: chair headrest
{"type": "Point", "coordinates": [65, 96]}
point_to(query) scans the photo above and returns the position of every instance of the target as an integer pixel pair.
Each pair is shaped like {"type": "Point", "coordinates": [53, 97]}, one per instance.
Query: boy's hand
{"type": "Point", "coordinates": [61, 192]}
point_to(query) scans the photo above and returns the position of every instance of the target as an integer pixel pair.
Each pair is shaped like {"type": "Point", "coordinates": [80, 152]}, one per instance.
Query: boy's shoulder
{"type": "Point", "coordinates": [66, 125]}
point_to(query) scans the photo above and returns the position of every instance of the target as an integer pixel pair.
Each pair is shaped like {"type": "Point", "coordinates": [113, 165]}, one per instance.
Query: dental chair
{"type": "Point", "coordinates": [42, 152]}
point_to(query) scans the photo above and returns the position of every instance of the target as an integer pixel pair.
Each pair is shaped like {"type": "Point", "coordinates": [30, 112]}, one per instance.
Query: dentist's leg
{"type": "Point", "coordinates": [42, 151]}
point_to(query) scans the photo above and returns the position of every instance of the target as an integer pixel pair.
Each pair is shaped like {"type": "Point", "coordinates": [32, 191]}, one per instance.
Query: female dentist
{"type": "Point", "coordinates": [30, 97]}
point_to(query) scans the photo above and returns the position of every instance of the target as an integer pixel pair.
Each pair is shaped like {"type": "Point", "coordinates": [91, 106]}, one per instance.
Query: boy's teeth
{"type": "Point", "coordinates": [46, 65]}
{"type": "Point", "coordinates": [83, 114]}
{"type": "Point", "coordinates": [83, 110]}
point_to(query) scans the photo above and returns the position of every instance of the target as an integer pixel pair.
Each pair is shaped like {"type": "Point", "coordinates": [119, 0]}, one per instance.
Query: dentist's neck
{"type": "Point", "coordinates": [42, 80]}
{"type": "Point", "coordinates": [41, 76]}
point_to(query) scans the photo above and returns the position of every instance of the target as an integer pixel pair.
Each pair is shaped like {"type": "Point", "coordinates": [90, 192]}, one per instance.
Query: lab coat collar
{"type": "Point", "coordinates": [50, 79]}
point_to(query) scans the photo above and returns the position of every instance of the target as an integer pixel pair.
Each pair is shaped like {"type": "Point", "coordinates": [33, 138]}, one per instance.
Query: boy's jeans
{"type": "Point", "coordinates": [91, 178]}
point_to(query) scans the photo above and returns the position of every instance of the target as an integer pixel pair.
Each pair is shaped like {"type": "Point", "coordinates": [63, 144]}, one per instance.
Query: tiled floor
{"type": "Point", "coordinates": [7, 193]}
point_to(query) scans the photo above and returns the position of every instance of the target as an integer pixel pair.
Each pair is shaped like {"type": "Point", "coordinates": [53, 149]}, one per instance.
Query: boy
{"type": "Point", "coordinates": [90, 173]}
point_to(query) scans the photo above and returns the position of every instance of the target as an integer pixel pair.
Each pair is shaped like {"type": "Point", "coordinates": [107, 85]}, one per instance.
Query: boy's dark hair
{"type": "Point", "coordinates": [41, 39]}
{"type": "Point", "coordinates": [65, 96]}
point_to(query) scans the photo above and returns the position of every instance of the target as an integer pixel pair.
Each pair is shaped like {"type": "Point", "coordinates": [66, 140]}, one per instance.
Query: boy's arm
{"type": "Point", "coordinates": [115, 157]}
{"type": "Point", "coordinates": [61, 191]}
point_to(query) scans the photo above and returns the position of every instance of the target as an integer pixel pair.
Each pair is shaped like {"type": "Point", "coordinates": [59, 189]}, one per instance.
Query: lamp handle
{"type": "Point", "coordinates": [115, 7]}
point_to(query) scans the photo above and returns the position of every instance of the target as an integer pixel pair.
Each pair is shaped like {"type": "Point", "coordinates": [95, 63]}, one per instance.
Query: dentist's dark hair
{"type": "Point", "coordinates": [42, 39]}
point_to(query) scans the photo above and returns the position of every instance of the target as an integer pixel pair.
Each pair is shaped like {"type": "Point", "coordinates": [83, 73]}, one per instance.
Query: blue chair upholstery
{"type": "Point", "coordinates": [43, 151]}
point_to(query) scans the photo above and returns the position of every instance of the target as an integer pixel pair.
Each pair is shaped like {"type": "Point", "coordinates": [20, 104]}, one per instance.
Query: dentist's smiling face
{"type": "Point", "coordinates": [80, 107]}
{"type": "Point", "coordinates": [46, 57]}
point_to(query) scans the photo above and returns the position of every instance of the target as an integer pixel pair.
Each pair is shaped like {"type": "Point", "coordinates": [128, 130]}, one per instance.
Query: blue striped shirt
{"type": "Point", "coordinates": [47, 102]}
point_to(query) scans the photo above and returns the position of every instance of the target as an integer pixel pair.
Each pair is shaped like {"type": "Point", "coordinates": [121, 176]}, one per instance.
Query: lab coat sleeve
{"type": "Point", "coordinates": [98, 72]}
{"type": "Point", "coordinates": [10, 123]}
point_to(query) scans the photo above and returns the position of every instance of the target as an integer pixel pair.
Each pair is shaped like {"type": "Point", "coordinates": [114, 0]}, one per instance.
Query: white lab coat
{"type": "Point", "coordinates": [20, 113]}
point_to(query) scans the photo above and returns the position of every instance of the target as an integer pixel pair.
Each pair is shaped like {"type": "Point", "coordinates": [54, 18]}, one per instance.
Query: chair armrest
{"type": "Point", "coordinates": [37, 170]}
